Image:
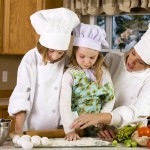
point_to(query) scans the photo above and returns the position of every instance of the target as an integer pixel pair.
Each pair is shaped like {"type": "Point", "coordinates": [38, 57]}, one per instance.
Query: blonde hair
{"type": "Point", "coordinates": [99, 64]}
{"type": "Point", "coordinates": [43, 51]}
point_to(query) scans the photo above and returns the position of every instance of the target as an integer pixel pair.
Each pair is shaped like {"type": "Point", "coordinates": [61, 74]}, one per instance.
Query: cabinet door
{"type": "Point", "coordinates": [1, 113]}
{"type": "Point", "coordinates": [1, 25]}
{"type": "Point", "coordinates": [18, 33]}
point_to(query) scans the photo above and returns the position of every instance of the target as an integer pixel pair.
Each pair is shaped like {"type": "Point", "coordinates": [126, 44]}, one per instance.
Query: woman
{"type": "Point", "coordinates": [130, 73]}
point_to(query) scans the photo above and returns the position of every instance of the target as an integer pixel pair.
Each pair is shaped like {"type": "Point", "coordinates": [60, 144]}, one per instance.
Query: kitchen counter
{"type": "Point", "coordinates": [9, 145]}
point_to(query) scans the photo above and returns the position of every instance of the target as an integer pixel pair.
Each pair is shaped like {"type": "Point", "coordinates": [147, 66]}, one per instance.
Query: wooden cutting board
{"type": "Point", "coordinates": [58, 133]}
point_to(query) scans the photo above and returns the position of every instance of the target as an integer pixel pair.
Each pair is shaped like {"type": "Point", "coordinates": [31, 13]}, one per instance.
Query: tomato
{"type": "Point", "coordinates": [148, 144]}
{"type": "Point", "coordinates": [148, 126]}
{"type": "Point", "coordinates": [144, 131]}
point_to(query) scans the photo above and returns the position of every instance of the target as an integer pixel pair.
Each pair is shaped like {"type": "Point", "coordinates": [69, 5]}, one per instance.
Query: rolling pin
{"type": "Point", "coordinates": [58, 133]}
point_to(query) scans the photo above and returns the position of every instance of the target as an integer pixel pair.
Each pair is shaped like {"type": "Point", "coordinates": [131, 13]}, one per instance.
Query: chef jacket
{"type": "Point", "coordinates": [132, 90]}
{"type": "Point", "coordinates": [37, 92]}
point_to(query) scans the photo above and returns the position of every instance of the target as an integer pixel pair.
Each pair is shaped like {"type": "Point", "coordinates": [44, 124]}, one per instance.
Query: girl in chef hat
{"type": "Point", "coordinates": [130, 73]}
{"type": "Point", "coordinates": [35, 99]}
{"type": "Point", "coordinates": [86, 84]}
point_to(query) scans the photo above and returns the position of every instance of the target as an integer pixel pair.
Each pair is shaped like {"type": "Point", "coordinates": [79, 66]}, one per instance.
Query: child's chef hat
{"type": "Point", "coordinates": [54, 27]}
{"type": "Point", "coordinates": [143, 47]}
{"type": "Point", "coordinates": [90, 36]}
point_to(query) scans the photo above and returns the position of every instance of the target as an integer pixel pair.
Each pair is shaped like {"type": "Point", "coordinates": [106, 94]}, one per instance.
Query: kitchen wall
{"type": "Point", "coordinates": [10, 64]}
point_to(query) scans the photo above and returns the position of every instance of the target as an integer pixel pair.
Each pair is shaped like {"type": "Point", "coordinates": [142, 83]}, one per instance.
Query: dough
{"type": "Point", "coordinates": [15, 139]}
{"type": "Point", "coordinates": [36, 140]}
{"type": "Point", "coordinates": [45, 141]}
{"type": "Point", "coordinates": [21, 140]}
{"type": "Point", "coordinates": [27, 145]}
{"type": "Point", "coordinates": [27, 137]}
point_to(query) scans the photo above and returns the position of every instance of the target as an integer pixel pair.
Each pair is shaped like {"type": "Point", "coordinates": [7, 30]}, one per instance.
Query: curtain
{"type": "Point", "coordinates": [107, 7]}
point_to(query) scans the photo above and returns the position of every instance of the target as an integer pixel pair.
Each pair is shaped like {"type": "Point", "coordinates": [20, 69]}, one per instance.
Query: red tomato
{"type": "Point", "coordinates": [148, 126]}
{"type": "Point", "coordinates": [144, 131]}
{"type": "Point", "coordinates": [148, 144]}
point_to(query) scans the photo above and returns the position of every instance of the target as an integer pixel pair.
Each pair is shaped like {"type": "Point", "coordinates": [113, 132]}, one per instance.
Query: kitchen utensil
{"type": "Point", "coordinates": [4, 129]}
{"type": "Point", "coordinates": [57, 133]}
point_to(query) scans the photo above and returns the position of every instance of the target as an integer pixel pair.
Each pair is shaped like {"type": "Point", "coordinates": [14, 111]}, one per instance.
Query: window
{"type": "Point", "coordinates": [127, 28]}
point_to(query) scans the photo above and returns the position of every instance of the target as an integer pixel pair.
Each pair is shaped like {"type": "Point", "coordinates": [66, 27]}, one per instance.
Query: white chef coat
{"type": "Point", "coordinates": [37, 92]}
{"type": "Point", "coordinates": [132, 90]}
{"type": "Point", "coordinates": [67, 116]}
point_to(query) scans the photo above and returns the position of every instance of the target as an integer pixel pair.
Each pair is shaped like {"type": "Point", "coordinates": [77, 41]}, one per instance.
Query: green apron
{"type": "Point", "coordinates": [88, 96]}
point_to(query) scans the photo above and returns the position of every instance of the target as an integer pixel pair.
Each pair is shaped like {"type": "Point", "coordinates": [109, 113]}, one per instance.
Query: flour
{"type": "Point", "coordinates": [82, 142]}
{"type": "Point", "coordinates": [61, 142]}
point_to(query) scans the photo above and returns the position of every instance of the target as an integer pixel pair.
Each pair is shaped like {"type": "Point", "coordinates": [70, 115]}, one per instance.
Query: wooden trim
{"type": "Point", "coordinates": [1, 25]}
{"type": "Point", "coordinates": [40, 5]}
{"type": "Point", "coordinates": [4, 107]}
{"type": "Point", "coordinates": [6, 25]}
{"type": "Point", "coordinates": [5, 93]}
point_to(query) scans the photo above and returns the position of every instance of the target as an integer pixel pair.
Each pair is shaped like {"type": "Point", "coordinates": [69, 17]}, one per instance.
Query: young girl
{"type": "Point", "coordinates": [35, 99]}
{"type": "Point", "coordinates": [86, 84]}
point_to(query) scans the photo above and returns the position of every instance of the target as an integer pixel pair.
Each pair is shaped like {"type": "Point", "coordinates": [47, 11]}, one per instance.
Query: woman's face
{"type": "Point", "coordinates": [86, 57]}
{"type": "Point", "coordinates": [134, 62]}
{"type": "Point", "coordinates": [54, 54]}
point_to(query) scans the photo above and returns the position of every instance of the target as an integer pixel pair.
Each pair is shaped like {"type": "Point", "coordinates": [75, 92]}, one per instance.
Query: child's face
{"type": "Point", "coordinates": [54, 54]}
{"type": "Point", "coordinates": [86, 57]}
{"type": "Point", "coordinates": [134, 62]}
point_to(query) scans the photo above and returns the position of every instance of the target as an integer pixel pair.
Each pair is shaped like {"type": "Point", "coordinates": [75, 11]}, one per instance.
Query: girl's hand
{"type": "Point", "coordinates": [72, 136]}
{"type": "Point", "coordinates": [12, 134]}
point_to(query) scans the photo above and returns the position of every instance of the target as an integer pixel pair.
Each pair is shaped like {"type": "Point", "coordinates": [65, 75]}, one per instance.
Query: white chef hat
{"type": "Point", "coordinates": [90, 36]}
{"type": "Point", "coordinates": [54, 27]}
{"type": "Point", "coordinates": [143, 47]}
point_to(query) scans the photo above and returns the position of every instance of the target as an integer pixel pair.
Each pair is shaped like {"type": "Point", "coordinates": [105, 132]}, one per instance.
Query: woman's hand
{"type": "Point", "coordinates": [106, 134]}
{"type": "Point", "coordinates": [86, 120]}
{"type": "Point", "coordinates": [72, 136]}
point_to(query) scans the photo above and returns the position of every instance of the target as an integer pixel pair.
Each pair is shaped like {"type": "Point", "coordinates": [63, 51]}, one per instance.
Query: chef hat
{"type": "Point", "coordinates": [90, 36]}
{"type": "Point", "coordinates": [143, 47]}
{"type": "Point", "coordinates": [54, 27]}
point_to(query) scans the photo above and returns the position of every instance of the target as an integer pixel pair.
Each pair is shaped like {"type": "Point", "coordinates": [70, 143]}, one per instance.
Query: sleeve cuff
{"type": "Point", "coordinates": [116, 119]}
{"type": "Point", "coordinates": [16, 106]}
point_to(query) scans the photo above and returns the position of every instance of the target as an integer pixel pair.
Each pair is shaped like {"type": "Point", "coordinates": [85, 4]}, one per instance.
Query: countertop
{"type": "Point", "coordinates": [9, 145]}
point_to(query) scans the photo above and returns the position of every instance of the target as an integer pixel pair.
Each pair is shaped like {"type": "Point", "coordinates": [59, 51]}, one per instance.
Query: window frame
{"type": "Point", "coordinates": [109, 29]}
